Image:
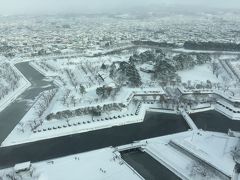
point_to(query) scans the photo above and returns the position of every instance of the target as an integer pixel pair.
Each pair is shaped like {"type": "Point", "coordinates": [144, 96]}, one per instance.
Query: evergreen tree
{"type": "Point", "coordinates": [183, 61]}
{"type": "Point", "coordinates": [112, 70]}
{"type": "Point", "coordinates": [82, 89]}
{"type": "Point", "coordinates": [100, 92]}
{"type": "Point", "coordinates": [164, 71]}
{"type": "Point", "coordinates": [103, 66]}
{"type": "Point", "coordinates": [203, 58]}
{"type": "Point", "coordinates": [133, 76]}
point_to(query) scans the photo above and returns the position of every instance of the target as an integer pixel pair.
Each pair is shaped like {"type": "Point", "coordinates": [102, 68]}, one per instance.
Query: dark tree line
{"type": "Point", "coordinates": [147, 56]}
{"type": "Point", "coordinates": [9, 80]}
{"type": "Point", "coordinates": [153, 43]}
{"type": "Point", "coordinates": [95, 111]}
{"type": "Point", "coordinates": [214, 46]}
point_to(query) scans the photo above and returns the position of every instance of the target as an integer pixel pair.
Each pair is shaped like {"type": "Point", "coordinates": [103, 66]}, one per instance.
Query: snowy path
{"type": "Point", "coordinates": [188, 119]}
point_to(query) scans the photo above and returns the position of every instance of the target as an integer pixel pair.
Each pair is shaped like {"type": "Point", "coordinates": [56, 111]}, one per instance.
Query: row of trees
{"type": "Point", "coordinates": [201, 85]}
{"type": "Point", "coordinates": [214, 46]}
{"type": "Point", "coordinates": [153, 43]}
{"type": "Point", "coordinates": [44, 102]}
{"type": "Point", "coordinates": [40, 108]}
{"type": "Point", "coordinates": [46, 66]}
{"type": "Point", "coordinates": [9, 79]}
{"type": "Point", "coordinates": [94, 111]}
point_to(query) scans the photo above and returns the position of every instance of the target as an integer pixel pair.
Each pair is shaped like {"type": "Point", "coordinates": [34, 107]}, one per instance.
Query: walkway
{"type": "Point", "coordinates": [188, 119]}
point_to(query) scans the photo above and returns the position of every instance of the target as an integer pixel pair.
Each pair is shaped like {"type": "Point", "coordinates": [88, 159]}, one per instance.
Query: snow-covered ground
{"type": "Point", "coordinates": [200, 73]}
{"type": "Point", "coordinates": [101, 164]}
{"type": "Point", "coordinates": [23, 84]}
{"type": "Point", "coordinates": [23, 132]}
{"type": "Point", "coordinates": [213, 148]}
{"type": "Point", "coordinates": [78, 79]}
{"type": "Point", "coordinates": [206, 149]}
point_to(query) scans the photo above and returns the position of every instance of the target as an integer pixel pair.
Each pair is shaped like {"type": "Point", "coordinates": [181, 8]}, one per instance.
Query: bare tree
{"type": "Point", "coordinates": [236, 152]}
{"type": "Point", "coordinates": [204, 171]}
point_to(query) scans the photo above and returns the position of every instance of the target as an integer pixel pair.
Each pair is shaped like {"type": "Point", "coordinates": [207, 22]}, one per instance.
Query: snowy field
{"type": "Point", "coordinates": [200, 73]}
{"type": "Point", "coordinates": [101, 164]}
{"type": "Point", "coordinates": [213, 148]}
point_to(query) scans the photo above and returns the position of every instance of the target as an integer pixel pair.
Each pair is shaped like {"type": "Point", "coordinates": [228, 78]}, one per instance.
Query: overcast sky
{"type": "Point", "coordinates": [83, 6]}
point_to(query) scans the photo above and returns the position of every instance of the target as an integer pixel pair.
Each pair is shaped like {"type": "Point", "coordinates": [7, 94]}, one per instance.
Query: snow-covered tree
{"type": "Point", "coordinates": [133, 76]}
{"type": "Point", "coordinates": [82, 90]}
{"type": "Point", "coordinates": [183, 61]}
{"type": "Point", "coordinates": [203, 58]}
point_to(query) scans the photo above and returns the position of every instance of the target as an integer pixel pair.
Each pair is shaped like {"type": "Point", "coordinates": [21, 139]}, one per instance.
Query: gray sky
{"type": "Point", "coordinates": [83, 6]}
